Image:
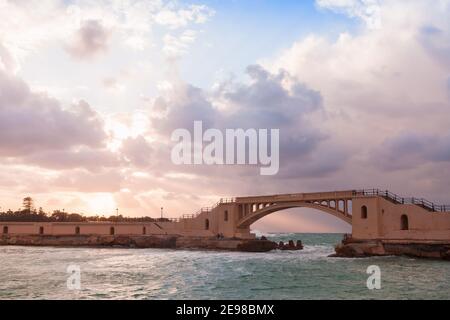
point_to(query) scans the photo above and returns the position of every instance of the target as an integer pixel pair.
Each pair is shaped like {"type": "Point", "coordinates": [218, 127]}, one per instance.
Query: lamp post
{"type": "Point", "coordinates": [162, 209]}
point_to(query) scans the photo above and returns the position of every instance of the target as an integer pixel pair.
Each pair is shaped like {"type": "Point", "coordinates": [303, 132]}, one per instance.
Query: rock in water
{"type": "Point", "coordinates": [257, 246]}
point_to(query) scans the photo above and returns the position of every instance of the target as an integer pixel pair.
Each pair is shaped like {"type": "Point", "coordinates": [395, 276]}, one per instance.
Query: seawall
{"type": "Point", "coordinates": [134, 241]}
{"type": "Point", "coordinates": [351, 248]}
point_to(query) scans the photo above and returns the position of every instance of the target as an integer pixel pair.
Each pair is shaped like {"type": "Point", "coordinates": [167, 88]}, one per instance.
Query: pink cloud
{"type": "Point", "coordinates": [32, 122]}
{"type": "Point", "coordinates": [91, 39]}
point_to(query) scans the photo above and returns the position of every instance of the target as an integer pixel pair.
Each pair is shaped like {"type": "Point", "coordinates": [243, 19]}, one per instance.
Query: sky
{"type": "Point", "coordinates": [90, 92]}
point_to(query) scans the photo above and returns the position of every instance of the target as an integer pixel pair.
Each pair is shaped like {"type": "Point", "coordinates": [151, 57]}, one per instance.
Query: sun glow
{"type": "Point", "coordinates": [101, 204]}
{"type": "Point", "coordinates": [122, 127]}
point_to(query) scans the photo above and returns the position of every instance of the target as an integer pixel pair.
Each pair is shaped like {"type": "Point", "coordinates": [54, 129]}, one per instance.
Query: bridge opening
{"type": "Point", "coordinates": [112, 231]}
{"type": "Point", "coordinates": [77, 230]}
{"type": "Point", "coordinates": [341, 204]}
{"type": "Point", "coordinates": [300, 220]}
{"type": "Point", "coordinates": [333, 204]}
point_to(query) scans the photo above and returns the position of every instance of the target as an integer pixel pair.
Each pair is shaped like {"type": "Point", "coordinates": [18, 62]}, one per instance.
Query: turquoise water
{"type": "Point", "coordinates": [41, 273]}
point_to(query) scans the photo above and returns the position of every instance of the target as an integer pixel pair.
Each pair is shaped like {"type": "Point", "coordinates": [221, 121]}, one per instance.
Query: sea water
{"type": "Point", "coordinates": [109, 273]}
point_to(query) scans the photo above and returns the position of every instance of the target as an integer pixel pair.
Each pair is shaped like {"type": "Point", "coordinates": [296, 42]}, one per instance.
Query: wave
{"type": "Point", "coordinates": [259, 234]}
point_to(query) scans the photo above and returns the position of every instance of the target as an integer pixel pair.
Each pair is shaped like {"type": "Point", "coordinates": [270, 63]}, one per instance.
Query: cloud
{"type": "Point", "coordinates": [437, 42]}
{"type": "Point", "coordinates": [322, 161]}
{"type": "Point", "coordinates": [137, 151]}
{"type": "Point", "coordinates": [183, 104]}
{"type": "Point", "coordinates": [385, 96]}
{"type": "Point", "coordinates": [86, 158]}
{"type": "Point", "coordinates": [7, 62]}
{"type": "Point", "coordinates": [32, 122]}
{"type": "Point", "coordinates": [26, 27]}
{"type": "Point", "coordinates": [82, 181]}
{"type": "Point", "coordinates": [265, 101]}
{"type": "Point", "coordinates": [448, 88]}
{"type": "Point", "coordinates": [89, 41]}
{"type": "Point", "coordinates": [181, 17]}
{"type": "Point", "coordinates": [366, 10]}
{"type": "Point", "coordinates": [269, 100]}
{"type": "Point", "coordinates": [376, 80]}
{"type": "Point", "coordinates": [176, 46]}
{"type": "Point", "coordinates": [114, 85]}
{"type": "Point", "coordinates": [365, 109]}
{"type": "Point", "coordinates": [279, 101]}
{"type": "Point", "coordinates": [410, 150]}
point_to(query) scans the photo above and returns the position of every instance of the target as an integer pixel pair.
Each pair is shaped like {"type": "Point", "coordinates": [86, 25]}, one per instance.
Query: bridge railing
{"type": "Point", "coordinates": [203, 210]}
{"type": "Point", "coordinates": [225, 200]}
{"type": "Point", "coordinates": [199, 212]}
{"type": "Point", "coordinates": [208, 209]}
{"type": "Point", "coordinates": [428, 205]}
{"type": "Point", "coordinates": [188, 216]}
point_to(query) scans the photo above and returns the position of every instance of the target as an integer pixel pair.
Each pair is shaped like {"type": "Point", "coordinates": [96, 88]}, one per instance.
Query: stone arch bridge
{"type": "Point", "coordinates": [372, 213]}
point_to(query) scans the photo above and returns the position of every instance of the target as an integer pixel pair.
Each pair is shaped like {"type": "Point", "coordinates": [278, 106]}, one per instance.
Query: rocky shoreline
{"type": "Point", "coordinates": [130, 241]}
{"type": "Point", "coordinates": [350, 248]}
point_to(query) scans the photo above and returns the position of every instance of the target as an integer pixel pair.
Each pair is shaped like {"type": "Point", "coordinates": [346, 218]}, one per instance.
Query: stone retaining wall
{"type": "Point", "coordinates": [133, 241]}
{"type": "Point", "coordinates": [361, 249]}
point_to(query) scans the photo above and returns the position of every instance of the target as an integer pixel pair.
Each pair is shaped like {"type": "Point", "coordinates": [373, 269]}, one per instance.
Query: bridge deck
{"type": "Point", "coordinates": [326, 196]}
{"type": "Point", "coordinates": [314, 196]}
{"type": "Point", "coordinates": [345, 195]}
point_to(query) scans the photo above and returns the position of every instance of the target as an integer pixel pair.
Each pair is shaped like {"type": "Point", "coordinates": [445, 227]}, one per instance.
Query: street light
{"type": "Point", "coordinates": [162, 212]}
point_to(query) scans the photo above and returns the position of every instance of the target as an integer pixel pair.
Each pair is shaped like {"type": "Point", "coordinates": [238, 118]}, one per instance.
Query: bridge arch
{"type": "Point", "coordinates": [253, 217]}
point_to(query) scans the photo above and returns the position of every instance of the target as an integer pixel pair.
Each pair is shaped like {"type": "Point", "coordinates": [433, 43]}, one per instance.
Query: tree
{"type": "Point", "coordinates": [28, 204]}
{"type": "Point", "coordinates": [41, 212]}
{"type": "Point", "coordinates": [59, 215]}
{"type": "Point", "coordinates": [75, 217]}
